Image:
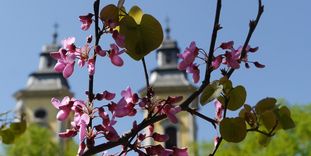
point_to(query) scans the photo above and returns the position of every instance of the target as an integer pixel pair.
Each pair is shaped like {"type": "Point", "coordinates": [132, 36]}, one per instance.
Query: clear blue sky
{"type": "Point", "coordinates": [283, 36]}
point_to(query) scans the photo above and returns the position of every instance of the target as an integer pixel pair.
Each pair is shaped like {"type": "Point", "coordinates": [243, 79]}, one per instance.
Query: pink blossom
{"type": "Point", "coordinates": [219, 110]}
{"type": "Point", "coordinates": [91, 66]}
{"type": "Point", "coordinates": [122, 108]}
{"type": "Point", "coordinates": [89, 39]}
{"type": "Point", "coordinates": [216, 141]}
{"type": "Point", "coordinates": [119, 39]}
{"type": "Point", "coordinates": [99, 51]}
{"type": "Point", "coordinates": [188, 56]}
{"type": "Point", "coordinates": [83, 122]}
{"type": "Point", "coordinates": [158, 150]}
{"type": "Point", "coordinates": [170, 112]}
{"type": "Point", "coordinates": [232, 59]}
{"type": "Point", "coordinates": [68, 134]}
{"type": "Point", "coordinates": [68, 44]}
{"type": "Point", "coordinates": [227, 45]}
{"type": "Point", "coordinates": [258, 65]}
{"type": "Point", "coordinates": [217, 62]}
{"type": "Point", "coordinates": [83, 54]}
{"type": "Point", "coordinates": [114, 55]}
{"type": "Point", "coordinates": [180, 152]}
{"type": "Point", "coordinates": [81, 148]}
{"type": "Point", "coordinates": [86, 21]}
{"type": "Point", "coordinates": [65, 62]}
{"type": "Point", "coordinates": [129, 96]}
{"type": "Point", "coordinates": [63, 106]}
{"type": "Point", "coordinates": [105, 95]}
{"type": "Point", "coordinates": [195, 71]}
{"type": "Point", "coordinates": [160, 138]}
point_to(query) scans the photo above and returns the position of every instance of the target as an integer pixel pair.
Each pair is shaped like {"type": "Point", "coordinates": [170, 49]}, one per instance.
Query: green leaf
{"type": "Point", "coordinates": [18, 127]}
{"type": "Point", "coordinates": [237, 98]}
{"type": "Point", "coordinates": [268, 119]}
{"type": "Point", "coordinates": [263, 140]}
{"type": "Point", "coordinates": [285, 119]}
{"type": "Point", "coordinates": [141, 39]}
{"type": "Point", "coordinates": [227, 84]}
{"type": "Point", "coordinates": [7, 136]}
{"type": "Point", "coordinates": [265, 104]}
{"type": "Point", "coordinates": [233, 129]}
{"type": "Point", "coordinates": [110, 12]}
{"type": "Point", "coordinates": [136, 13]}
{"type": "Point", "coordinates": [211, 92]}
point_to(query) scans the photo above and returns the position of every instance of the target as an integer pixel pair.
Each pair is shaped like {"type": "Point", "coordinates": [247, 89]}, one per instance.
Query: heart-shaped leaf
{"type": "Point", "coordinates": [233, 129]}
{"type": "Point", "coordinates": [237, 97]}
{"type": "Point", "coordinates": [110, 13]}
{"type": "Point", "coordinates": [141, 39]}
{"type": "Point", "coordinates": [265, 104]}
{"type": "Point", "coordinates": [136, 13]}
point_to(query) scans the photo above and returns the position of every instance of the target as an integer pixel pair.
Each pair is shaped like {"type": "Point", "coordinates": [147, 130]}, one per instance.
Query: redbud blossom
{"type": "Point", "coordinates": [227, 45]}
{"type": "Point", "coordinates": [65, 62]}
{"type": "Point", "coordinates": [160, 138]}
{"type": "Point", "coordinates": [180, 152]}
{"type": "Point", "coordinates": [114, 55]}
{"type": "Point", "coordinates": [86, 21]}
{"type": "Point", "coordinates": [218, 110]}
{"type": "Point", "coordinates": [188, 56]}
{"type": "Point", "coordinates": [119, 39]}
{"type": "Point", "coordinates": [195, 71]}
{"type": "Point", "coordinates": [64, 107]}
{"type": "Point", "coordinates": [68, 44]}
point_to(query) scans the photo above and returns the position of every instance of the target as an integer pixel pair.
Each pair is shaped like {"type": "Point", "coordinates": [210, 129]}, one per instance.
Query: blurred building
{"type": "Point", "coordinates": [35, 99]}
{"type": "Point", "coordinates": [166, 80]}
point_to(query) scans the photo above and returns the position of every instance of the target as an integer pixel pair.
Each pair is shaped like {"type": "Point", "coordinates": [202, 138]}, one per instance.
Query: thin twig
{"type": "Point", "coordinates": [194, 112]}
{"type": "Point", "coordinates": [146, 72]}
{"type": "Point", "coordinates": [252, 27]}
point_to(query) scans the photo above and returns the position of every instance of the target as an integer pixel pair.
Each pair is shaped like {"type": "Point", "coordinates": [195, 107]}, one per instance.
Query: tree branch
{"type": "Point", "coordinates": [252, 27]}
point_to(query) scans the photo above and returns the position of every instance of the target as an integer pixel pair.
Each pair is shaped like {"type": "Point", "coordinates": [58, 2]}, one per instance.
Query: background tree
{"type": "Point", "coordinates": [291, 142]}
{"type": "Point", "coordinates": [37, 141]}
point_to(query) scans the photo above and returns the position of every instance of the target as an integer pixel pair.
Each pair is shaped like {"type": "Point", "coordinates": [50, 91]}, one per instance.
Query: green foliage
{"type": "Point", "coordinates": [233, 129]}
{"type": "Point", "coordinates": [291, 142]}
{"type": "Point", "coordinates": [237, 97]}
{"type": "Point", "coordinates": [10, 131]}
{"type": "Point", "coordinates": [37, 141]}
{"type": "Point", "coordinates": [143, 33]}
{"type": "Point", "coordinates": [211, 92]}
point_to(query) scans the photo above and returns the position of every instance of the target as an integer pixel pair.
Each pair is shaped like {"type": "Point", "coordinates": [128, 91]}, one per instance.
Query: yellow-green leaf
{"type": "Point", "coordinates": [265, 104]}
{"type": "Point", "coordinates": [268, 119]}
{"type": "Point", "coordinates": [141, 39]}
{"type": "Point", "coordinates": [233, 129]}
{"type": "Point", "coordinates": [211, 92]}
{"type": "Point", "coordinates": [136, 13]}
{"type": "Point", "coordinates": [110, 12]}
{"type": "Point", "coordinates": [18, 127]}
{"type": "Point", "coordinates": [7, 136]}
{"type": "Point", "coordinates": [285, 119]}
{"type": "Point", "coordinates": [237, 98]}
{"type": "Point", "coordinates": [263, 140]}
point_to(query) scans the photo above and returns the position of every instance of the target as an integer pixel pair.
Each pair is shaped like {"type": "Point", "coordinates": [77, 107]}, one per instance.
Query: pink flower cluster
{"type": "Point", "coordinates": [232, 57]}
{"type": "Point", "coordinates": [69, 52]}
{"type": "Point", "coordinates": [188, 57]}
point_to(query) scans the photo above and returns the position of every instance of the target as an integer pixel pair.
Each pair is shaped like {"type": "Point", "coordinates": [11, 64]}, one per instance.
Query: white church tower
{"type": "Point", "coordinates": [42, 85]}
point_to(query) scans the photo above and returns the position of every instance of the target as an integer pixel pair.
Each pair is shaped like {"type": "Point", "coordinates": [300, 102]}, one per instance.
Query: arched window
{"type": "Point", "coordinates": [172, 133]}
{"type": "Point", "coordinates": [40, 113]}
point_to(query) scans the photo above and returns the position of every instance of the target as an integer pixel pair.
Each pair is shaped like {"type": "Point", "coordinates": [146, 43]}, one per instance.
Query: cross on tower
{"type": "Point", "coordinates": [55, 33]}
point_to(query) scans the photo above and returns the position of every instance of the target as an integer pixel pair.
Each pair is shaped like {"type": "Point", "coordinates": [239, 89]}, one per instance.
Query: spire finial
{"type": "Point", "coordinates": [55, 33]}
{"type": "Point", "coordinates": [168, 29]}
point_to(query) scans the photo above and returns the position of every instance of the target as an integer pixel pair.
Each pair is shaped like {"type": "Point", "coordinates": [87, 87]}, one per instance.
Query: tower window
{"type": "Point", "coordinates": [172, 141]}
{"type": "Point", "coordinates": [40, 113]}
